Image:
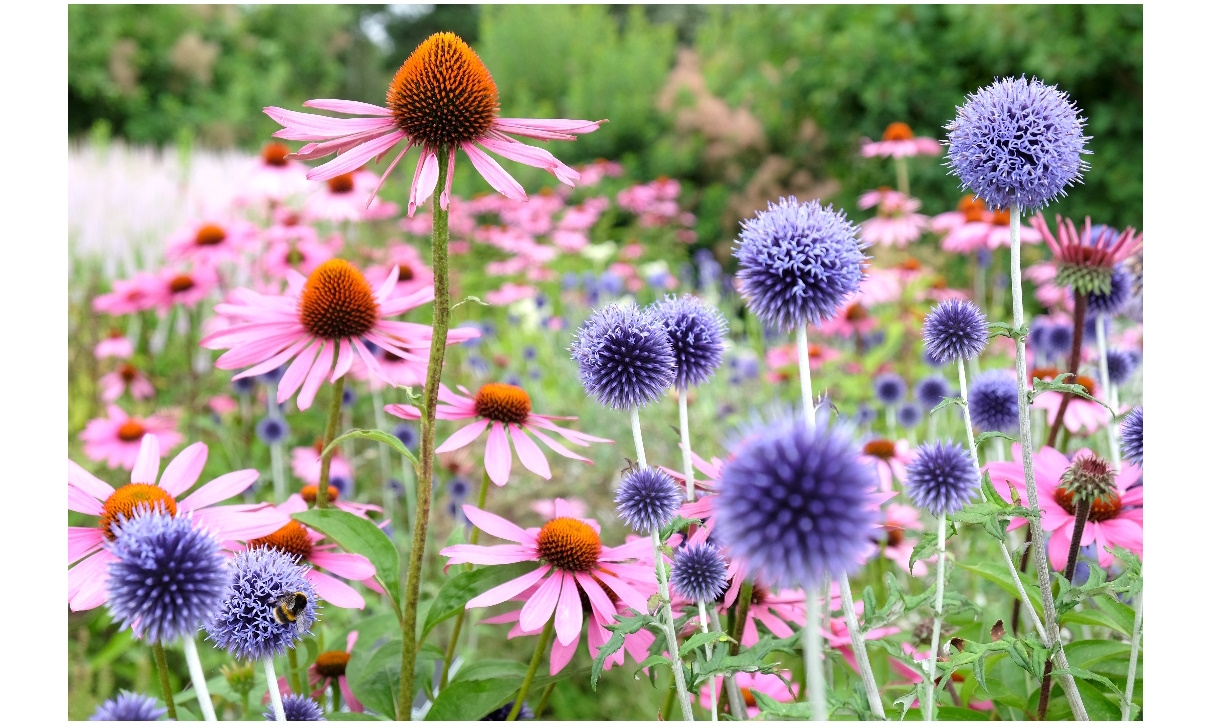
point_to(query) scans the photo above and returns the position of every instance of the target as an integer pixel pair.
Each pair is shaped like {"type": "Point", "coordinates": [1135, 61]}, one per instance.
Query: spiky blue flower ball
{"type": "Point", "coordinates": [272, 429]}
{"type": "Point", "coordinates": [297, 707]}
{"type": "Point", "coordinates": [128, 706]}
{"type": "Point", "coordinates": [699, 573]}
{"type": "Point", "coordinates": [955, 329]}
{"type": "Point", "coordinates": [243, 622]}
{"type": "Point", "coordinates": [1017, 142]}
{"type": "Point", "coordinates": [1059, 340]}
{"type": "Point", "coordinates": [798, 262]}
{"type": "Point", "coordinates": [1114, 300]}
{"type": "Point", "coordinates": [168, 576]}
{"type": "Point", "coordinates": [647, 498]}
{"type": "Point", "coordinates": [1121, 365]}
{"type": "Point", "coordinates": [931, 390]}
{"type": "Point", "coordinates": [889, 388]}
{"type": "Point", "coordinates": [794, 503]}
{"type": "Point", "coordinates": [501, 713]}
{"type": "Point", "coordinates": [993, 401]}
{"type": "Point", "coordinates": [406, 434]}
{"type": "Point", "coordinates": [1037, 334]}
{"type": "Point", "coordinates": [625, 356]}
{"type": "Point", "coordinates": [698, 333]}
{"type": "Point", "coordinates": [1132, 436]}
{"type": "Point", "coordinates": [941, 478]}
{"type": "Point", "coordinates": [908, 415]}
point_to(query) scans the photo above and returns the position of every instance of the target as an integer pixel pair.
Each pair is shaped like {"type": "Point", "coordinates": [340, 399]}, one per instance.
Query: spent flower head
{"type": "Point", "coordinates": [1086, 261]}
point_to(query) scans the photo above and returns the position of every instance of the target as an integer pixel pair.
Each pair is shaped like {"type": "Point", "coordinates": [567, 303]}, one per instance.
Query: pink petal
{"type": "Point", "coordinates": [273, 363]}
{"type": "Point", "coordinates": [597, 596]}
{"type": "Point", "coordinates": [494, 174]}
{"type": "Point", "coordinates": [356, 157]}
{"type": "Point", "coordinates": [568, 615]}
{"type": "Point", "coordinates": [625, 592]}
{"type": "Point", "coordinates": [509, 589]}
{"type": "Point", "coordinates": [371, 362]}
{"type": "Point", "coordinates": [424, 180]}
{"type": "Point", "coordinates": [539, 608]}
{"type": "Point", "coordinates": [319, 372]}
{"type": "Point", "coordinates": [88, 483]}
{"type": "Point", "coordinates": [349, 566]}
{"type": "Point", "coordinates": [355, 705]}
{"type": "Point", "coordinates": [334, 591]}
{"type": "Point", "coordinates": [219, 489]}
{"type": "Point", "coordinates": [494, 525]}
{"type": "Point", "coordinates": [82, 541]}
{"type": "Point", "coordinates": [147, 463]}
{"type": "Point", "coordinates": [1058, 547]}
{"type": "Point", "coordinates": [462, 437]}
{"type": "Point", "coordinates": [519, 152]}
{"type": "Point", "coordinates": [497, 456]}
{"type": "Point", "coordinates": [237, 523]}
{"type": "Point", "coordinates": [529, 453]}
{"type": "Point", "coordinates": [562, 654]}
{"type": "Point", "coordinates": [444, 200]}
{"type": "Point", "coordinates": [345, 357]}
{"type": "Point", "coordinates": [342, 106]}
{"type": "Point", "coordinates": [298, 369]}
{"type": "Point", "coordinates": [488, 555]}
{"type": "Point", "coordinates": [81, 502]}
{"type": "Point", "coordinates": [637, 549]}
{"type": "Point", "coordinates": [183, 471]}
{"type": "Point", "coordinates": [387, 172]}
{"type": "Point", "coordinates": [298, 126]}
{"type": "Point", "coordinates": [86, 582]}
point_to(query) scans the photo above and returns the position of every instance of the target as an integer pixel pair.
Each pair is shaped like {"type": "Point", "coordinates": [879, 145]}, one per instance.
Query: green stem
{"type": "Point", "coordinates": [1126, 703]}
{"type": "Point", "coordinates": [165, 686]}
{"type": "Point", "coordinates": [902, 176]}
{"type": "Point", "coordinates": [928, 706]}
{"type": "Point", "coordinates": [539, 650]}
{"type": "Point", "coordinates": [547, 691]}
{"type": "Point", "coordinates": [330, 432]}
{"type": "Point", "coordinates": [458, 625]}
{"type": "Point", "coordinates": [292, 671]}
{"type": "Point", "coordinates": [742, 615]}
{"type": "Point", "coordinates": [814, 672]}
{"type": "Point", "coordinates": [667, 706]}
{"type": "Point", "coordinates": [433, 376]}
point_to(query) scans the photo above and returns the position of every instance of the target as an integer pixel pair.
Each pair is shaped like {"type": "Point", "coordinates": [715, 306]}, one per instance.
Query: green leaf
{"type": "Point", "coordinates": [652, 661]}
{"type": "Point", "coordinates": [355, 716]}
{"type": "Point", "coordinates": [773, 708]}
{"type": "Point", "coordinates": [1001, 328]}
{"type": "Point", "coordinates": [473, 699]}
{"type": "Point", "coordinates": [950, 712]}
{"type": "Point", "coordinates": [359, 536]}
{"type": "Point", "coordinates": [470, 299]}
{"type": "Point", "coordinates": [486, 669]}
{"type": "Point", "coordinates": [947, 402]}
{"type": "Point", "coordinates": [1098, 706]}
{"type": "Point", "coordinates": [1086, 653]}
{"type": "Point", "coordinates": [622, 627]}
{"type": "Point", "coordinates": [677, 524]}
{"type": "Point", "coordinates": [374, 677]}
{"type": "Point", "coordinates": [701, 638]}
{"type": "Point", "coordinates": [990, 434]}
{"type": "Point", "coordinates": [378, 436]}
{"type": "Point", "coordinates": [1121, 613]}
{"type": "Point", "coordinates": [452, 598]}
{"type": "Point", "coordinates": [929, 543]}
{"type": "Point", "coordinates": [1040, 386]}
{"type": "Point", "coordinates": [996, 573]}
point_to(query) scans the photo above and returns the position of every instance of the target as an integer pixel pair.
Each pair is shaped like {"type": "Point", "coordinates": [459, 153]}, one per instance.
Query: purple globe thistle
{"type": "Point", "coordinates": [698, 333]}
{"type": "Point", "coordinates": [128, 706]}
{"type": "Point", "coordinates": [890, 388]}
{"type": "Point", "coordinates": [1132, 436]}
{"type": "Point", "coordinates": [993, 401]}
{"type": "Point", "coordinates": [348, 397]}
{"type": "Point", "coordinates": [955, 329]}
{"type": "Point", "coordinates": [243, 622]}
{"type": "Point", "coordinates": [798, 262]}
{"type": "Point", "coordinates": [406, 434]}
{"type": "Point", "coordinates": [1121, 365]}
{"type": "Point", "coordinates": [908, 415]}
{"type": "Point", "coordinates": [931, 390]}
{"type": "Point", "coordinates": [699, 573]}
{"type": "Point", "coordinates": [1037, 335]}
{"type": "Point", "coordinates": [865, 414]}
{"type": "Point", "coordinates": [244, 386]}
{"type": "Point", "coordinates": [272, 429]}
{"type": "Point", "coordinates": [794, 503]}
{"type": "Point", "coordinates": [1017, 142]}
{"type": "Point", "coordinates": [625, 356]}
{"type": "Point", "coordinates": [458, 488]}
{"type": "Point", "coordinates": [1115, 298]}
{"type": "Point", "coordinates": [1059, 340]}
{"type": "Point", "coordinates": [168, 575]}
{"type": "Point", "coordinates": [297, 707]}
{"type": "Point", "coordinates": [501, 713]}
{"type": "Point", "coordinates": [941, 478]}
{"type": "Point", "coordinates": [647, 499]}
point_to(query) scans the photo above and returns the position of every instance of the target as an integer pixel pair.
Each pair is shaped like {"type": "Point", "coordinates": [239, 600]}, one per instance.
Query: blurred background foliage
{"type": "Point", "coordinates": [742, 104]}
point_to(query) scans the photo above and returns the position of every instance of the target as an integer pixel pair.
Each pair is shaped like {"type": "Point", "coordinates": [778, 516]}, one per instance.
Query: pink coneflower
{"type": "Point", "coordinates": [508, 293]}
{"type": "Point", "coordinates": [898, 221]}
{"type": "Point", "coordinates": [1043, 275]}
{"type": "Point", "coordinates": [574, 567]}
{"type": "Point", "coordinates": [414, 274]}
{"type": "Point", "coordinates": [898, 141]}
{"type": "Point", "coordinates": [782, 362]}
{"type": "Point", "coordinates": [115, 384]}
{"type": "Point", "coordinates": [212, 241]}
{"type": "Point", "coordinates": [272, 177]}
{"type": "Point", "coordinates": [89, 495]}
{"type": "Point", "coordinates": [973, 227]}
{"type": "Point", "coordinates": [503, 406]}
{"type": "Point", "coordinates": [1116, 519]}
{"type": "Point", "coordinates": [780, 612]}
{"type": "Point", "coordinates": [114, 346]}
{"type": "Point", "coordinates": [442, 97]}
{"type": "Point", "coordinates": [305, 465]}
{"type": "Point", "coordinates": [329, 668]}
{"type": "Point", "coordinates": [746, 682]}
{"type": "Point", "coordinates": [343, 198]}
{"type": "Point", "coordinates": [851, 321]}
{"type": "Point", "coordinates": [174, 286]}
{"type": "Point", "coordinates": [128, 295]}
{"type": "Point", "coordinates": [304, 544]}
{"type": "Point", "coordinates": [327, 314]}
{"type": "Point", "coordinates": [898, 547]}
{"type": "Point", "coordinates": [1081, 415]}
{"type": "Point", "coordinates": [362, 510]}
{"type": "Point", "coordinates": [222, 404]}
{"type": "Point", "coordinates": [889, 458]}
{"type": "Point", "coordinates": [117, 438]}
{"type": "Point", "coordinates": [598, 170]}
{"type": "Point", "coordinates": [574, 507]}
{"type": "Point", "coordinates": [303, 254]}
{"type": "Point", "coordinates": [1086, 261]}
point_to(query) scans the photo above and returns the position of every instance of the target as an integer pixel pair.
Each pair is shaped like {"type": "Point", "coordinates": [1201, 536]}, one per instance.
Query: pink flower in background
{"type": "Point", "coordinates": [838, 636]}
{"type": "Point", "coordinates": [974, 227]}
{"type": "Point", "coordinates": [115, 384]}
{"type": "Point", "coordinates": [115, 346]}
{"type": "Point", "coordinates": [443, 67]}
{"type": "Point", "coordinates": [1082, 415]}
{"type": "Point", "coordinates": [582, 217]}
{"type": "Point", "coordinates": [852, 321]}
{"type": "Point", "coordinates": [222, 404]}
{"type": "Point", "coordinates": [329, 668]}
{"type": "Point", "coordinates": [118, 438]}
{"type": "Point", "coordinates": [343, 198]}
{"type": "Point", "coordinates": [573, 507]}
{"type": "Point", "coordinates": [504, 407]}
{"type": "Point", "coordinates": [899, 518]}
{"type": "Point", "coordinates": [414, 274]}
{"type": "Point", "coordinates": [304, 254]}
{"type": "Point", "coordinates": [595, 172]}
{"type": "Point", "coordinates": [898, 141]}
{"type": "Point", "coordinates": [782, 613]}
{"type": "Point", "coordinates": [898, 221]}
{"type": "Point", "coordinates": [91, 496]}
{"type": "Point", "coordinates": [889, 458]}
{"type": "Point", "coordinates": [187, 288]}
{"type": "Point", "coordinates": [271, 177]}
{"type": "Point", "coordinates": [211, 242]}
{"type": "Point", "coordinates": [128, 295]}
{"type": "Point", "coordinates": [746, 682]}
{"type": "Point", "coordinates": [1043, 275]}
{"type": "Point", "coordinates": [508, 293]}
{"type": "Point", "coordinates": [782, 362]}
{"type": "Point", "coordinates": [305, 465]}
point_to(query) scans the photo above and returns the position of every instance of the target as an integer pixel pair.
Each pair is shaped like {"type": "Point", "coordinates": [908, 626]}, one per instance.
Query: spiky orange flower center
{"type": "Point", "coordinates": [124, 501]}
{"type": "Point", "coordinates": [274, 154]}
{"type": "Point", "coordinates": [443, 95]}
{"type": "Point", "coordinates": [210, 234]}
{"type": "Point", "coordinates": [898, 131]}
{"type": "Point", "coordinates": [309, 492]}
{"type": "Point", "coordinates": [1103, 508]}
{"type": "Point", "coordinates": [503, 403]}
{"type": "Point", "coordinates": [882, 449]}
{"type": "Point", "coordinates": [1001, 217]}
{"type": "Point", "coordinates": [569, 544]}
{"type": "Point", "coordinates": [332, 663]}
{"type": "Point", "coordinates": [747, 695]}
{"type": "Point", "coordinates": [131, 431]}
{"type": "Point", "coordinates": [896, 535]}
{"type": "Point", "coordinates": [972, 208]}
{"type": "Point", "coordinates": [855, 312]}
{"type": "Point", "coordinates": [128, 373]}
{"type": "Point", "coordinates": [406, 272]}
{"type": "Point", "coordinates": [341, 184]}
{"type": "Point", "coordinates": [911, 264]}
{"type": "Point", "coordinates": [337, 302]}
{"type": "Point", "coordinates": [181, 283]}
{"type": "Point", "coordinates": [291, 538]}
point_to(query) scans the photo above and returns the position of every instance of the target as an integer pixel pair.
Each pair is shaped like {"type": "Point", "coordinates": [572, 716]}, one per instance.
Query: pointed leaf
{"type": "Point", "coordinates": [359, 536]}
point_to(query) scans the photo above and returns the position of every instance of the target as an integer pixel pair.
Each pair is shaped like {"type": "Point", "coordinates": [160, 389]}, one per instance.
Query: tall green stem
{"type": "Point", "coordinates": [539, 650]}
{"type": "Point", "coordinates": [1075, 360]}
{"type": "Point", "coordinates": [330, 432]}
{"type": "Point", "coordinates": [433, 376]}
{"type": "Point", "coordinates": [814, 672]}
{"type": "Point", "coordinates": [165, 686]}
{"type": "Point", "coordinates": [458, 625]}
{"type": "Point", "coordinates": [292, 671]}
{"type": "Point", "coordinates": [1126, 706]}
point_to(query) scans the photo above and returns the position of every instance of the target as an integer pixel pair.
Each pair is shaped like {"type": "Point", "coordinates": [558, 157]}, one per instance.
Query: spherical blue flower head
{"type": "Point", "coordinates": [168, 575]}
{"type": "Point", "coordinates": [908, 415]}
{"type": "Point", "coordinates": [625, 356]}
{"type": "Point", "coordinates": [941, 478]}
{"type": "Point", "coordinates": [647, 499]}
{"type": "Point", "coordinates": [993, 401]}
{"type": "Point", "coordinates": [458, 488]}
{"type": "Point", "coordinates": [865, 414]}
{"type": "Point", "coordinates": [1132, 436]}
{"type": "Point", "coordinates": [128, 706]}
{"type": "Point", "coordinates": [698, 333]}
{"type": "Point", "coordinates": [1037, 335]}
{"type": "Point", "coordinates": [1059, 340]}
{"type": "Point", "coordinates": [1017, 142]}
{"type": "Point", "coordinates": [699, 573]}
{"type": "Point", "coordinates": [244, 623]}
{"type": "Point", "coordinates": [406, 434]}
{"type": "Point", "coordinates": [955, 329]}
{"type": "Point", "coordinates": [1121, 365]}
{"type": "Point", "coordinates": [611, 283]}
{"type": "Point", "coordinates": [272, 429]}
{"type": "Point", "coordinates": [244, 386]}
{"type": "Point", "coordinates": [890, 388]}
{"type": "Point", "coordinates": [794, 503]}
{"type": "Point", "coordinates": [297, 707]}
{"type": "Point", "coordinates": [1117, 298]}
{"type": "Point", "coordinates": [348, 397]}
{"type": "Point", "coordinates": [501, 713]}
{"type": "Point", "coordinates": [931, 390]}
{"type": "Point", "coordinates": [798, 262]}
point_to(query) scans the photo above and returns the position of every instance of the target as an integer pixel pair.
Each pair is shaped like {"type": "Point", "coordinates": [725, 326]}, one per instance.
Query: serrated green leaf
{"type": "Point", "coordinates": [984, 437]}
{"type": "Point", "coordinates": [359, 536]}
{"type": "Point", "coordinates": [1001, 328]}
{"type": "Point", "coordinates": [929, 543]}
{"type": "Point", "coordinates": [1056, 384]}
{"type": "Point", "coordinates": [465, 586]}
{"type": "Point", "coordinates": [698, 639]}
{"type": "Point", "coordinates": [677, 524]}
{"type": "Point", "coordinates": [978, 671]}
{"type": "Point", "coordinates": [378, 436]}
{"type": "Point", "coordinates": [1098, 706]}
{"type": "Point", "coordinates": [947, 402]}
{"type": "Point", "coordinates": [652, 661]}
{"type": "Point", "coordinates": [996, 573]}
{"type": "Point", "coordinates": [951, 712]}
{"type": "Point", "coordinates": [773, 708]}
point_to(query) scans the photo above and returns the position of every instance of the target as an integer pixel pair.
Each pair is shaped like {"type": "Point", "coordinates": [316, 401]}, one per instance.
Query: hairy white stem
{"type": "Point", "coordinates": [197, 677]}
{"type": "Point", "coordinates": [928, 708]}
{"type": "Point", "coordinates": [1105, 376]}
{"type": "Point", "coordinates": [275, 697]}
{"type": "Point", "coordinates": [801, 345]}
{"type": "Point", "coordinates": [859, 645]}
{"type": "Point", "coordinates": [687, 464]}
{"type": "Point", "coordinates": [715, 710]}
{"type": "Point", "coordinates": [1126, 706]}
{"type": "Point", "coordinates": [813, 664]}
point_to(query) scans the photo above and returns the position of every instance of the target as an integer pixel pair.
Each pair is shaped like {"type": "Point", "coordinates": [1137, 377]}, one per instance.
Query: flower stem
{"type": "Point", "coordinates": [902, 175]}
{"type": "Point", "coordinates": [292, 671]}
{"type": "Point", "coordinates": [1051, 634]}
{"type": "Point", "coordinates": [542, 704]}
{"type": "Point", "coordinates": [376, 398]}
{"type": "Point", "coordinates": [458, 625]}
{"type": "Point", "coordinates": [1112, 398]}
{"type": "Point", "coordinates": [736, 703]}
{"type": "Point", "coordinates": [801, 346]}
{"type": "Point", "coordinates": [1126, 706]}
{"type": "Point", "coordinates": [198, 677]}
{"type": "Point", "coordinates": [1081, 513]}
{"type": "Point", "coordinates": [278, 474]}
{"type": "Point", "coordinates": [742, 616]}
{"type": "Point", "coordinates": [814, 664]}
{"type": "Point", "coordinates": [928, 707]}
{"type": "Point", "coordinates": [330, 432]}
{"type": "Point", "coordinates": [715, 712]}
{"type": "Point", "coordinates": [433, 376]}
{"type": "Point", "coordinates": [539, 650]}
{"type": "Point", "coordinates": [275, 697]}
{"type": "Point", "coordinates": [165, 686]}
{"type": "Point", "coordinates": [1075, 360]}
{"type": "Point", "coordinates": [687, 464]}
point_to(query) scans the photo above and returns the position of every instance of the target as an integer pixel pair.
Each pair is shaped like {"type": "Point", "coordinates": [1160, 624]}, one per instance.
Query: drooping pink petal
{"type": "Point", "coordinates": [237, 523]}
{"type": "Point", "coordinates": [461, 437]}
{"type": "Point", "coordinates": [1058, 546]}
{"type": "Point", "coordinates": [444, 200]}
{"type": "Point", "coordinates": [82, 541]}
{"type": "Point", "coordinates": [86, 582]}
{"type": "Point", "coordinates": [371, 362]}
{"type": "Point", "coordinates": [494, 174]}
{"type": "Point", "coordinates": [563, 129]}
{"type": "Point", "coordinates": [349, 566]}
{"type": "Point", "coordinates": [183, 471]}
{"type": "Point", "coordinates": [387, 172]}
{"type": "Point", "coordinates": [636, 549]}
{"type": "Point", "coordinates": [220, 489]}
{"type": "Point", "coordinates": [568, 615]}
{"type": "Point", "coordinates": [319, 372]}
{"type": "Point", "coordinates": [356, 157]}
{"type": "Point", "coordinates": [541, 605]}
{"type": "Point", "coordinates": [562, 654]}
{"type": "Point", "coordinates": [625, 592]}
{"type": "Point", "coordinates": [597, 596]}
{"type": "Point", "coordinates": [355, 705]}
{"type": "Point", "coordinates": [88, 483]}
{"type": "Point", "coordinates": [509, 589]}
{"type": "Point", "coordinates": [297, 371]}
{"type": "Point", "coordinates": [494, 525]}
{"type": "Point", "coordinates": [273, 363]}
{"type": "Point", "coordinates": [147, 463]}
{"type": "Point", "coordinates": [343, 106]}
{"type": "Point", "coordinates": [345, 358]}
{"type": "Point", "coordinates": [487, 555]}
{"type": "Point", "coordinates": [298, 126]}
{"type": "Point", "coordinates": [497, 456]}
{"type": "Point", "coordinates": [335, 591]}
{"type": "Point", "coordinates": [423, 180]}
{"type": "Point", "coordinates": [81, 502]}
{"type": "Point", "coordinates": [529, 453]}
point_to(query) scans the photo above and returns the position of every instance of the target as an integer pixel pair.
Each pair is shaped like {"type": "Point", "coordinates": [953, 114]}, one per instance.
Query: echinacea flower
{"type": "Point", "coordinates": [1087, 261]}
{"type": "Point", "coordinates": [889, 458]}
{"type": "Point", "coordinates": [330, 314]}
{"type": "Point", "coordinates": [625, 357]}
{"type": "Point", "coordinates": [117, 438]}
{"type": "Point", "coordinates": [770, 685]}
{"type": "Point", "coordinates": [329, 671]}
{"type": "Point", "coordinates": [128, 706]}
{"type": "Point", "coordinates": [898, 547]}
{"type": "Point", "coordinates": [89, 495]}
{"type": "Point", "coordinates": [441, 98]}
{"type": "Point", "coordinates": [172, 286]}
{"type": "Point", "coordinates": [297, 707]}
{"type": "Point", "coordinates": [115, 345]}
{"type": "Point", "coordinates": [243, 623]}
{"type": "Point", "coordinates": [941, 478]}
{"type": "Point", "coordinates": [1082, 415]}
{"type": "Point", "coordinates": [698, 333]}
{"type": "Point", "coordinates": [211, 242]}
{"type": "Point", "coordinates": [115, 384]}
{"type": "Point", "coordinates": [1115, 520]}
{"type": "Point", "coordinates": [305, 465]}
{"type": "Point", "coordinates": [955, 330]}
{"type": "Point", "coordinates": [272, 177]}
{"type": "Point", "coordinates": [499, 408]}
{"type": "Point", "coordinates": [348, 198]}
{"type": "Point", "coordinates": [898, 141]}
{"type": "Point", "coordinates": [973, 229]}
{"type": "Point", "coordinates": [897, 221]}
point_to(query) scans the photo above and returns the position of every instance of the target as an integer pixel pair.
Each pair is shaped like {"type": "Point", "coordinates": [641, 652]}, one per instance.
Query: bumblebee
{"type": "Point", "coordinates": [290, 607]}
